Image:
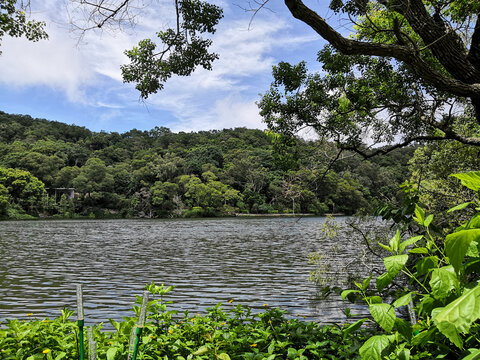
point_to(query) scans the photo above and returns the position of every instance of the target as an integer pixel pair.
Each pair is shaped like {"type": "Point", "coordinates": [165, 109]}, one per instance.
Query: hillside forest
{"type": "Point", "coordinates": [158, 173]}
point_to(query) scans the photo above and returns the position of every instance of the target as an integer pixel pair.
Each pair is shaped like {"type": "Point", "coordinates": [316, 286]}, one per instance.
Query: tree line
{"type": "Point", "coordinates": [159, 173]}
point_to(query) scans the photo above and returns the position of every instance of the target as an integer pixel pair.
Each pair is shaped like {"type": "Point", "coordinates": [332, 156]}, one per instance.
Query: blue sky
{"type": "Point", "coordinates": [59, 79]}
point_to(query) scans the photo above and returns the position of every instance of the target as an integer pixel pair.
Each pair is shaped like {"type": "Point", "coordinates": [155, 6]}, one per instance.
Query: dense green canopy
{"type": "Point", "coordinates": [209, 173]}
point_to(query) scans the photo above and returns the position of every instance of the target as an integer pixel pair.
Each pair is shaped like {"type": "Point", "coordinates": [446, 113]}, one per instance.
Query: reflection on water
{"type": "Point", "coordinates": [253, 261]}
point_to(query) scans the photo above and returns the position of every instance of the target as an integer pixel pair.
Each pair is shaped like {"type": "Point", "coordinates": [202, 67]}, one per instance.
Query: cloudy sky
{"type": "Point", "coordinates": [80, 83]}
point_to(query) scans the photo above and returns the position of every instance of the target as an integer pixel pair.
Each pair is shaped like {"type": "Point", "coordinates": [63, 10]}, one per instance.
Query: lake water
{"type": "Point", "coordinates": [254, 261]}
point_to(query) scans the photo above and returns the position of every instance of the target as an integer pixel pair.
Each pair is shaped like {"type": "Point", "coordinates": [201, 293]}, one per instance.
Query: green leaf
{"type": "Point", "coordinates": [419, 215]}
{"type": "Point", "coordinates": [115, 324]}
{"type": "Point", "coordinates": [374, 299]}
{"type": "Point", "coordinates": [383, 281]}
{"type": "Point", "coordinates": [459, 207]}
{"type": "Point", "coordinates": [60, 355]}
{"type": "Point", "coordinates": [201, 350]}
{"type": "Point", "coordinates": [457, 244]}
{"type": "Point", "coordinates": [458, 316]}
{"type": "Point", "coordinates": [345, 293]}
{"type": "Point", "coordinates": [474, 355]}
{"type": "Point", "coordinates": [420, 250]}
{"type": "Point", "coordinates": [111, 352]}
{"type": "Point", "coordinates": [403, 354]}
{"type": "Point", "coordinates": [408, 242]}
{"type": "Point", "coordinates": [473, 250]}
{"type": "Point", "coordinates": [388, 248]}
{"type": "Point", "coordinates": [426, 264]}
{"type": "Point", "coordinates": [353, 327]}
{"type": "Point", "coordinates": [395, 241]}
{"type": "Point", "coordinates": [384, 315]}
{"type": "Point", "coordinates": [473, 223]}
{"type": "Point", "coordinates": [404, 328]}
{"type": "Point", "coordinates": [470, 180]}
{"type": "Point", "coordinates": [428, 220]}
{"type": "Point", "coordinates": [374, 347]}
{"type": "Point", "coordinates": [366, 282]}
{"type": "Point", "coordinates": [394, 264]}
{"type": "Point", "coordinates": [224, 356]}
{"type": "Point", "coordinates": [443, 282]}
{"type": "Point", "coordinates": [403, 301]}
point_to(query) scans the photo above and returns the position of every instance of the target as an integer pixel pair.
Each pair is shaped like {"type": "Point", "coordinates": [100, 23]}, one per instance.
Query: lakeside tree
{"type": "Point", "coordinates": [20, 191]}
{"type": "Point", "coordinates": [409, 71]}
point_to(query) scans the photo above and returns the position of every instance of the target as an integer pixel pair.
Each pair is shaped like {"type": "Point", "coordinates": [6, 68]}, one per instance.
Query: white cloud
{"type": "Point", "coordinates": [225, 113]}
{"type": "Point", "coordinates": [90, 74]}
{"type": "Point", "coordinates": [54, 63]}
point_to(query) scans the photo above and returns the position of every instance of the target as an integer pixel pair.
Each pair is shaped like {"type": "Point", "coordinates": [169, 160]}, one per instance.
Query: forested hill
{"type": "Point", "coordinates": [160, 173]}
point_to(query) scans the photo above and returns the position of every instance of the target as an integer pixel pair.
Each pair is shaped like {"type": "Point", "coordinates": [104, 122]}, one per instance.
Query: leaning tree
{"type": "Point", "coordinates": [408, 71]}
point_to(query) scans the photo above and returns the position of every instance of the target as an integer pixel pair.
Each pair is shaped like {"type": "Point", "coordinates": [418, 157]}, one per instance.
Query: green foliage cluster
{"type": "Point", "coordinates": [20, 193]}
{"type": "Point", "coordinates": [436, 277]}
{"type": "Point", "coordinates": [13, 22]}
{"type": "Point", "coordinates": [158, 173]}
{"type": "Point", "coordinates": [235, 333]}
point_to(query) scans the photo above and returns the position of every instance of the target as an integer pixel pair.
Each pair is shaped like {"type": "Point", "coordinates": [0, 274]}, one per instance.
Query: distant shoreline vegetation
{"type": "Point", "coordinates": [161, 174]}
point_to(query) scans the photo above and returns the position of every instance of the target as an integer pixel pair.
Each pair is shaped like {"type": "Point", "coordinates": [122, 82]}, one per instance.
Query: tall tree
{"type": "Point", "coordinates": [408, 71]}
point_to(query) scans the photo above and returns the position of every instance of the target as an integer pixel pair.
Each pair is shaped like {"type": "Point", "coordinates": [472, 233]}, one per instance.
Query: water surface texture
{"type": "Point", "coordinates": [254, 261]}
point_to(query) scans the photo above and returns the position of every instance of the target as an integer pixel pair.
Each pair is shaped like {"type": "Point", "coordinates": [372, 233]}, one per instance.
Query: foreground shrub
{"type": "Point", "coordinates": [234, 333]}
{"type": "Point", "coordinates": [437, 278]}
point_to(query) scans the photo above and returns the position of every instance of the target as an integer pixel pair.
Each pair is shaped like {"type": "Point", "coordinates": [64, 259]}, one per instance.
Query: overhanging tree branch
{"type": "Point", "coordinates": [403, 53]}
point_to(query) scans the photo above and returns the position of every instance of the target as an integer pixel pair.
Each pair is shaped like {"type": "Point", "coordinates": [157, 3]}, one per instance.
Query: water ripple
{"type": "Point", "coordinates": [253, 261]}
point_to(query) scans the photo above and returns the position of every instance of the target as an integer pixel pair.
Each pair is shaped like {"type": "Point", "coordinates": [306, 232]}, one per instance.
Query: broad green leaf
{"type": "Point", "coordinates": [224, 356]}
{"type": "Point", "coordinates": [374, 299]}
{"type": "Point", "coordinates": [353, 327]}
{"type": "Point", "coordinates": [473, 249]}
{"type": "Point", "coordinates": [403, 354]}
{"type": "Point", "coordinates": [423, 337]}
{"type": "Point", "coordinates": [115, 324]}
{"type": "Point", "coordinates": [394, 264]}
{"type": "Point", "coordinates": [428, 220]}
{"type": "Point", "coordinates": [357, 284]}
{"type": "Point", "coordinates": [420, 250]}
{"type": "Point", "coordinates": [408, 242]}
{"type": "Point", "coordinates": [373, 347]}
{"type": "Point", "coordinates": [111, 352]}
{"type": "Point", "coordinates": [384, 315]}
{"type": "Point", "coordinates": [404, 328]}
{"type": "Point", "coordinates": [426, 264]}
{"type": "Point", "coordinates": [457, 244]}
{"type": "Point", "coordinates": [474, 222]}
{"type": "Point", "coordinates": [443, 282]}
{"type": "Point", "coordinates": [459, 207]}
{"type": "Point", "coordinates": [470, 180]}
{"type": "Point", "coordinates": [60, 355]}
{"type": "Point", "coordinates": [345, 293]}
{"type": "Point", "coordinates": [403, 301]}
{"type": "Point", "coordinates": [383, 281]}
{"type": "Point", "coordinates": [474, 355]}
{"type": "Point", "coordinates": [395, 241]}
{"type": "Point", "coordinates": [201, 350]}
{"type": "Point", "coordinates": [366, 282]}
{"type": "Point", "coordinates": [458, 316]}
{"type": "Point", "coordinates": [419, 215]}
